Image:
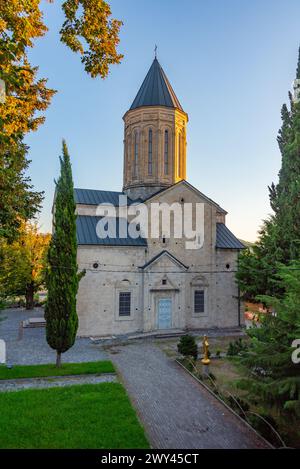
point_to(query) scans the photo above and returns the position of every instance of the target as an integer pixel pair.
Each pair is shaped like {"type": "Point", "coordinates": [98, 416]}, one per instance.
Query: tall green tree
{"type": "Point", "coordinates": [275, 377]}
{"type": "Point", "coordinates": [62, 277]}
{"type": "Point", "coordinates": [298, 67]}
{"type": "Point", "coordinates": [23, 263]}
{"type": "Point", "coordinates": [89, 30]}
{"type": "Point", "coordinates": [18, 200]}
{"type": "Point", "coordinates": [279, 239]}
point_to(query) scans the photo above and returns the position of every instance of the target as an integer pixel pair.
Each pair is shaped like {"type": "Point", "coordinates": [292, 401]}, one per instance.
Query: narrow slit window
{"type": "Point", "coordinates": [150, 153]}
{"type": "Point", "coordinates": [179, 154]}
{"type": "Point", "coordinates": [166, 153]}
{"type": "Point", "coordinates": [124, 304]}
{"type": "Point", "coordinates": [199, 301]}
{"type": "Point", "coordinates": [128, 153]}
{"type": "Point", "coordinates": [136, 154]}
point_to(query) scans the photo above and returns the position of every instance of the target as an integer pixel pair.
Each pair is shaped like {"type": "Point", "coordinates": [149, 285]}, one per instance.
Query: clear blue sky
{"type": "Point", "coordinates": [231, 64]}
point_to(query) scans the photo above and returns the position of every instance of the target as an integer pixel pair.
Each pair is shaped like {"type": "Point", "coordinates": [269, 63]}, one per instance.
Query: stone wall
{"type": "Point", "coordinates": [137, 171]}
{"type": "Point", "coordinates": [120, 269]}
{"type": "Point", "coordinates": [97, 300]}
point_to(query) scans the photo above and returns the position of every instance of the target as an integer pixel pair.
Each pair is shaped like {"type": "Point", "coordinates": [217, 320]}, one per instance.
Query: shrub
{"type": "Point", "coordinates": [187, 346]}
{"type": "Point", "coordinates": [263, 428]}
{"type": "Point", "coordinates": [236, 348]}
{"type": "Point", "coordinates": [2, 304]}
{"type": "Point", "coordinates": [237, 404]}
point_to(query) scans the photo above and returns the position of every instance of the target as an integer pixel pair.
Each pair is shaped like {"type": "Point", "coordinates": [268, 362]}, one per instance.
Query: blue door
{"type": "Point", "coordinates": [165, 313]}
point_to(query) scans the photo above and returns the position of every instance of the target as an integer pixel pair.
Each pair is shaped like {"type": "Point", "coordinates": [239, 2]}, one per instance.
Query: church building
{"type": "Point", "coordinates": [146, 283]}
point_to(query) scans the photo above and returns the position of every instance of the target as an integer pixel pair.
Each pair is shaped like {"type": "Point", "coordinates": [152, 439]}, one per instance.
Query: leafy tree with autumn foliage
{"type": "Point", "coordinates": [21, 22]}
{"type": "Point", "coordinates": [93, 29]}
{"type": "Point", "coordinates": [23, 263]}
{"type": "Point", "coordinates": [87, 30]}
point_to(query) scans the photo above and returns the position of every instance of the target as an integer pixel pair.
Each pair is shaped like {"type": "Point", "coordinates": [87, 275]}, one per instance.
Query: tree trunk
{"type": "Point", "coordinates": [58, 359]}
{"type": "Point", "coordinates": [29, 296]}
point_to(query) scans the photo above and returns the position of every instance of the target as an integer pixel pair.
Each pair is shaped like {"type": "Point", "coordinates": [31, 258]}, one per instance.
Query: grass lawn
{"type": "Point", "coordinates": [85, 416]}
{"type": "Point", "coordinates": [40, 371]}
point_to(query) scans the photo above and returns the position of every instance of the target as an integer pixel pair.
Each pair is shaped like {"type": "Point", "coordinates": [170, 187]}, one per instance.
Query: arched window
{"type": "Point", "coordinates": [166, 153]}
{"type": "Point", "coordinates": [128, 162]}
{"type": "Point", "coordinates": [150, 152]}
{"type": "Point", "coordinates": [179, 154]}
{"type": "Point", "coordinates": [136, 154]}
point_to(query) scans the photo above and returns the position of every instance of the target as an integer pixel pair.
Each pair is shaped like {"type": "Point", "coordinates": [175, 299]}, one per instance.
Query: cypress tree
{"type": "Point", "coordinates": [298, 67]}
{"type": "Point", "coordinates": [286, 201]}
{"type": "Point", "coordinates": [274, 378]}
{"type": "Point", "coordinates": [62, 278]}
{"type": "Point", "coordinates": [280, 235]}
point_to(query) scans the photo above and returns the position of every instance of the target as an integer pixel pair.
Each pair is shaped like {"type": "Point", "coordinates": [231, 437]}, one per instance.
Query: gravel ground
{"type": "Point", "coordinates": [33, 349]}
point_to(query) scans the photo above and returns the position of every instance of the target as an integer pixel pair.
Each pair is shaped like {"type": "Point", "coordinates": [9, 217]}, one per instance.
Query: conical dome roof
{"type": "Point", "coordinates": [156, 90]}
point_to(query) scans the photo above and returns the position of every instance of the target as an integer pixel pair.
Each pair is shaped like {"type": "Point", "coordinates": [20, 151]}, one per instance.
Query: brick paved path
{"type": "Point", "coordinates": [33, 349]}
{"type": "Point", "coordinates": [177, 412]}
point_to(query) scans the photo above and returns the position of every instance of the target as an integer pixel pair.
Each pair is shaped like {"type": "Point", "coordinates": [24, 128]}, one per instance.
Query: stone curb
{"type": "Point", "coordinates": [22, 384]}
{"type": "Point", "coordinates": [34, 378]}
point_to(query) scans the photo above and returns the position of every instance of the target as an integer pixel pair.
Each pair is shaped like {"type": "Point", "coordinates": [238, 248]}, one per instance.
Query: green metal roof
{"type": "Point", "coordinates": [226, 239]}
{"type": "Point", "coordinates": [87, 234]}
{"type": "Point", "coordinates": [96, 197]}
{"type": "Point", "coordinates": [156, 90]}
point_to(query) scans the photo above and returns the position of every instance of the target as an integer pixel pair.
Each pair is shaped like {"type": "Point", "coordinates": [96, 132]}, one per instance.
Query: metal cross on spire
{"type": "Point", "coordinates": [155, 51]}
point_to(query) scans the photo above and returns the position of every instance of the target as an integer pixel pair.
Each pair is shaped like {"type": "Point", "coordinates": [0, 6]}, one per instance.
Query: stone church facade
{"type": "Point", "coordinates": [148, 283]}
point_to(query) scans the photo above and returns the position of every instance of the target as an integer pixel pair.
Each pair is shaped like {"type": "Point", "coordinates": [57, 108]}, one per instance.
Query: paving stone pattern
{"type": "Point", "coordinates": [33, 349]}
{"type": "Point", "coordinates": [177, 412]}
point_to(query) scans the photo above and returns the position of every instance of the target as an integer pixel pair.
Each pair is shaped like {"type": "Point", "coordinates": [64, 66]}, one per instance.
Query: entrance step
{"type": "Point", "coordinates": [34, 322]}
{"type": "Point", "coordinates": [162, 333]}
